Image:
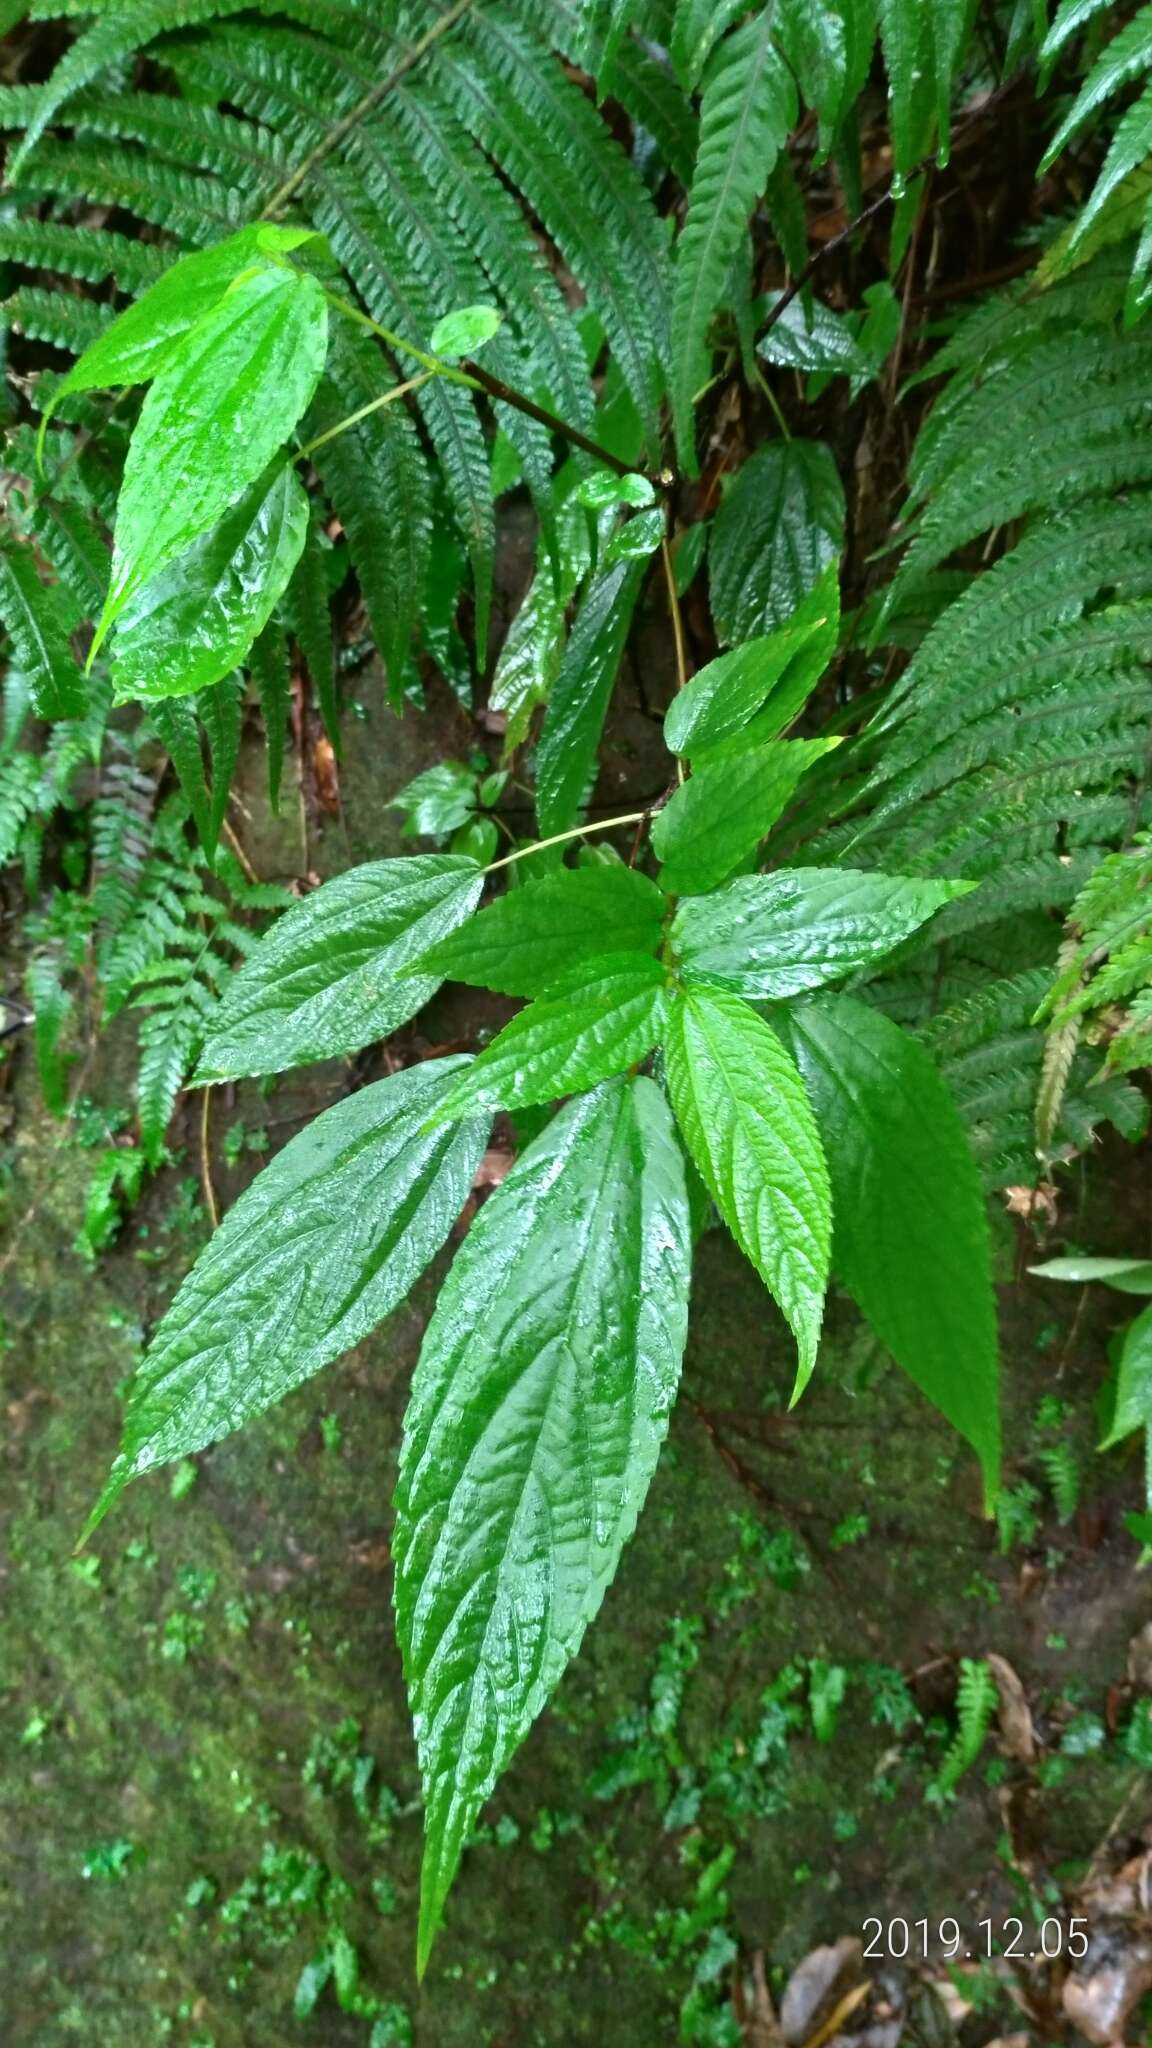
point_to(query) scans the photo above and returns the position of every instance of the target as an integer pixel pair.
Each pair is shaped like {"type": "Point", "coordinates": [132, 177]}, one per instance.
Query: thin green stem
{"type": "Point", "coordinates": [434, 365]}
{"type": "Point", "coordinates": [560, 838]}
{"type": "Point", "coordinates": [362, 411]}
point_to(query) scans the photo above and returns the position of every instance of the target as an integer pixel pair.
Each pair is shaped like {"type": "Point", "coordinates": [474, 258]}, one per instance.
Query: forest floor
{"type": "Point", "coordinates": [208, 1798]}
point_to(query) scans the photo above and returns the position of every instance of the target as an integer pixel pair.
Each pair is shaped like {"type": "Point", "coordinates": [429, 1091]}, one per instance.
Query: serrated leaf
{"type": "Point", "coordinates": [522, 942]}
{"type": "Point", "coordinates": [696, 28]}
{"type": "Point", "coordinates": [749, 1127]}
{"type": "Point", "coordinates": [145, 336]}
{"type": "Point", "coordinates": [574, 719]}
{"type": "Point", "coordinates": [778, 528]}
{"type": "Point", "coordinates": [911, 1240]}
{"type": "Point", "coordinates": [748, 107]}
{"type": "Point", "coordinates": [592, 1022]}
{"type": "Point", "coordinates": [727, 807]}
{"type": "Point", "coordinates": [773, 936]}
{"type": "Point", "coordinates": [39, 618]}
{"type": "Point", "coordinates": [1128, 1276]}
{"type": "Point", "coordinates": [813, 337]}
{"type": "Point", "coordinates": [220, 408]}
{"type": "Point", "coordinates": [437, 800]}
{"type": "Point", "coordinates": [1133, 1407]}
{"type": "Point", "coordinates": [763, 673]}
{"type": "Point", "coordinates": [538, 1409]}
{"type": "Point", "coordinates": [327, 977]}
{"type": "Point", "coordinates": [196, 621]}
{"type": "Point", "coordinates": [320, 1248]}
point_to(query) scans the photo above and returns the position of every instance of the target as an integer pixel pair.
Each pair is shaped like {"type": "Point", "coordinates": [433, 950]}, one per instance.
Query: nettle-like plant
{"type": "Point", "coordinates": [550, 1366]}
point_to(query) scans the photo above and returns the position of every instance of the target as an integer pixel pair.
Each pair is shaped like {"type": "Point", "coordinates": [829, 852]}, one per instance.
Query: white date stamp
{"type": "Point", "coordinates": [924, 1940]}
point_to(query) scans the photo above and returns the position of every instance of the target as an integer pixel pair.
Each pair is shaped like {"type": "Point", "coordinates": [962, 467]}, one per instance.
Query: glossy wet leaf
{"type": "Point", "coordinates": [326, 1241]}
{"type": "Point", "coordinates": [779, 527]}
{"type": "Point", "coordinates": [574, 719]}
{"type": "Point", "coordinates": [774, 672]}
{"type": "Point", "coordinates": [593, 1022]}
{"type": "Point", "coordinates": [749, 1127]}
{"type": "Point", "coordinates": [911, 1240]}
{"type": "Point", "coordinates": [812, 337]}
{"type": "Point", "coordinates": [1129, 1276]}
{"type": "Point", "coordinates": [437, 800]}
{"type": "Point", "coordinates": [777, 935]}
{"type": "Point", "coordinates": [720, 815]}
{"type": "Point", "coordinates": [39, 619]}
{"type": "Point", "coordinates": [1133, 1409]}
{"type": "Point", "coordinates": [327, 978]}
{"type": "Point", "coordinates": [217, 413]}
{"type": "Point", "coordinates": [196, 621]}
{"type": "Point", "coordinates": [146, 335]}
{"type": "Point", "coordinates": [464, 332]}
{"type": "Point", "coordinates": [520, 943]}
{"type": "Point", "coordinates": [538, 1409]}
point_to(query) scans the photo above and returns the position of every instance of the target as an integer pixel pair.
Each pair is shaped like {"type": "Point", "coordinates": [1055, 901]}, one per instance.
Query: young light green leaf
{"type": "Point", "coordinates": [39, 619]}
{"type": "Point", "coordinates": [1128, 1276]}
{"type": "Point", "coordinates": [766, 672]}
{"type": "Point", "coordinates": [215, 416]}
{"type": "Point", "coordinates": [750, 1129]}
{"type": "Point", "coordinates": [463, 333]}
{"type": "Point", "coordinates": [145, 336]}
{"type": "Point", "coordinates": [605, 488]}
{"type": "Point", "coordinates": [777, 530]}
{"type": "Point", "coordinates": [1133, 1409]}
{"type": "Point", "coordinates": [728, 806]}
{"type": "Point", "coordinates": [776, 935]}
{"type": "Point", "coordinates": [911, 1237]}
{"type": "Point", "coordinates": [593, 1022]}
{"type": "Point", "coordinates": [323, 1245]}
{"type": "Point", "coordinates": [748, 107]}
{"type": "Point", "coordinates": [195, 621]}
{"type": "Point", "coordinates": [522, 942]}
{"type": "Point", "coordinates": [574, 719]}
{"type": "Point", "coordinates": [536, 1419]}
{"type": "Point", "coordinates": [327, 977]}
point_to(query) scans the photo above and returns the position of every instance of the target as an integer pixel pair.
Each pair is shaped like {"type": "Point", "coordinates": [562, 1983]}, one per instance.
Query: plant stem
{"type": "Point", "coordinates": [496, 388]}
{"type": "Point", "coordinates": [559, 838]}
{"type": "Point", "coordinates": [363, 107]}
{"type": "Point", "coordinates": [362, 411]}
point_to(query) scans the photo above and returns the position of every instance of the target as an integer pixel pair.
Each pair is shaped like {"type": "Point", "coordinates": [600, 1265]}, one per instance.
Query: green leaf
{"type": "Point", "coordinates": [911, 1237]}
{"type": "Point", "coordinates": [750, 1129]}
{"type": "Point", "coordinates": [195, 621]}
{"type": "Point", "coordinates": [522, 942]}
{"type": "Point", "coordinates": [462, 333]}
{"type": "Point", "coordinates": [214, 418]}
{"type": "Point", "coordinates": [39, 620]}
{"type": "Point", "coordinates": [813, 337]}
{"type": "Point", "coordinates": [1128, 1276]}
{"type": "Point", "coordinates": [1133, 1408]}
{"type": "Point", "coordinates": [178, 721]}
{"type": "Point", "coordinates": [148, 333]}
{"type": "Point", "coordinates": [574, 719]}
{"type": "Point", "coordinates": [536, 1419]}
{"type": "Point", "coordinates": [326, 1241]}
{"type": "Point", "coordinates": [748, 107]}
{"type": "Point", "coordinates": [767, 671]}
{"type": "Point", "coordinates": [437, 800]}
{"type": "Point", "coordinates": [326, 978]}
{"type": "Point", "coordinates": [777, 530]}
{"type": "Point", "coordinates": [697, 26]}
{"type": "Point", "coordinates": [776, 935]}
{"type": "Point", "coordinates": [594, 1021]}
{"type": "Point", "coordinates": [728, 806]}
{"type": "Point", "coordinates": [605, 488]}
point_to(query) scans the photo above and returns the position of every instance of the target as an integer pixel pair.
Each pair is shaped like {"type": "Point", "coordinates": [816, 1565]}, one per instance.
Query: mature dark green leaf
{"type": "Point", "coordinates": [437, 800]}
{"type": "Point", "coordinates": [750, 1129]}
{"type": "Point", "coordinates": [39, 619]}
{"type": "Point", "coordinates": [594, 1021]}
{"type": "Point", "coordinates": [183, 723]}
{"type": "Point", "coordinates": [1128, 1276]}
{"type": "Point", "coordinates": [777, 530]}
{"type": "Point", "coordinates": [538, 1408]}
{"type": "Point", "coordinates": [730, 803]}
{"type": "Point", "coordinates": [217, 413]}
{"type": "Point", "coordinates": [574, 720]}
{"type": "Point", "coordinates": [697, 26]}
{"type": "Point", "coordinates": [323, 1245]}
{"type": "Point", "coordinates": [145, 336]}
{"type": "Point", "coordinates": [522, 942]}
{"type": "Point", "coordinates": [776, 935]}
{"type": "Point", "coordinates": [776, 671]}
{"type": "Point", "coordinates": [815, 38]}
{"type": "Point", "coordinates": [1133, 1409]}
{"type": "Point", "coordinates": [195, 621]}
{"type": "Point", "coordinates": [813, 337]}
{"type": "Point", "coordinates": [911, 1237]}
{"type": "Point", "coordinates": [327, 977]}
{"type": "Point", "coordinates": [748, 108]}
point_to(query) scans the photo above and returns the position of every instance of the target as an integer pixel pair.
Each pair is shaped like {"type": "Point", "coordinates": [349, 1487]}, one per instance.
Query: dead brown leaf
{"type": "Point", "coordinates": [1016, 1731]}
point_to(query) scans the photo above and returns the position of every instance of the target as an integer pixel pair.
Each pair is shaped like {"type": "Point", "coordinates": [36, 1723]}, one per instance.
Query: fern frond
{"type": "Point", "coordinates": [89, 253]}
{"type": "Point", "coordinates": [976, 1699]}
{"type": "Point", "coordinates": [56, 317]}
